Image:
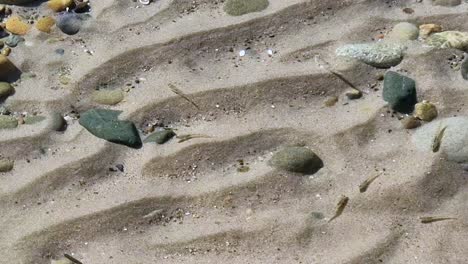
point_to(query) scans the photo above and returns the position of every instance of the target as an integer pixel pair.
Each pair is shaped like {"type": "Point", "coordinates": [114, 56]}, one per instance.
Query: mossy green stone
{"type": "Point", "coordinates": [105, 124]}
{"type": "Point", "coordinates": [8, 122]}
{"type": "Point", "coordinates": [6, 165]}
{"type": "Point", "coordinates": [6, 90]}
{"type": "Point", "coordinates": [242, 7]}
{"type": "Point", "coordinates": [107, 97]}
{"type": "Point", "coordinates": [160, 137]}
{"type": "Point", "coordinates": [297, 159]}
{"type": "Point", "coordinates": [30, 120]}
{"type": "Point", "coordinates": [400, 92]}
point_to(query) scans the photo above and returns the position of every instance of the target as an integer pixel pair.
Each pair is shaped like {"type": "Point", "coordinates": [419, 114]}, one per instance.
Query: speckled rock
{"type": "Point", "coordinates": [160, 137]}
{"type": "Point", "coordinates": [7, 122]}
{"type": "Point", "coordinates": [16, 25]}
{"type": "Point", "coordinates": [107, 97]}
{"type": "Point", "coordinates": [404, 31]}
{"type": "Point", "coordinates": [296, 159]}
{"type": "Point", "coordinates": [449, 39]}
{"type": "Point", "coordinates": [425, 111]}
{"type": "Point", "coordinates": [242, 7]}
{"type": "Point", "coordinates": [5, 90]}
{"type": "Point", "coordinates": [400, 92]}
{"type": "Point", "coordinates": [6, 165]}
{"type": "Point", "coordinates": [379, 55]}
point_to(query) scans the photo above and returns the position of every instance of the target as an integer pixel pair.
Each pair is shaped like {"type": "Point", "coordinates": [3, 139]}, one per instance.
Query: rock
{"type": "Point", "coordinates": [404, 31]}
{"type": "Point", "coordinates": [7, 69]}
{"type": "Point", "coordinates": [120, 167]}
{"type": "Point", "coordinates": [6, 51]}
{"type": "Point", "coordinates": [6, 90]}
{"type": "Point", "coordinates": [425, 111]}
{"type": "Point", "coordinates": [353, 94]}
{"type": "Point", "coordinates": [7, 122]}
{"type": "Point", "coordinates": [30, 120]}
{"type": "Point", "coordinates": [59, 5]}
{"type": "Point", "coordinates": [379, 55]}
{"type": "Point", "coordinates": [16, 2]}
{"type": "Point", "coordinates": [464, 69]}
{"type": "Point", "coordinates": [105, 124]}
{"type": "Point", "coordinates": [400, 92]}
{"type": "Point", "coordinates": [242, 7]}
{"type": "Point", "coordinates": [160, 137]}
{"type": "Point", "coordinates": [45, 24]}
{"type": "Point", "coordinates": [331, 101]}
{"type": "Point", "coordinates": [17, 26]}
{"type": "Point", "coordinates": [107, 97]}
{"type": "Point", "coordinates": [410, 122]}
{"type": "Point", "coordinates": [57, 122]}
{"type": "Point", "coordinates": [69, 23]}
{"type": "Point", "coordinates": [13, 40]}
{"type": "Point", "coordinates": [446, 2]}
{"type": "Point", "coordinates": [427, 29]}
{"type": "Point", "coordinates": [297, 159]}
{"type": "Point", "coordinates": [449, 39]}
{"type": "Point", "coordinates": [6, 165]}
{"type": "Point", "coordinates": [62, 261]}
{"type": "Point", "coordinates": [454, 143]}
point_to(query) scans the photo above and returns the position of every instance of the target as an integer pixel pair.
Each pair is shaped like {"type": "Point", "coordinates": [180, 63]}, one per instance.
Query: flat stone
{"type": "Point", "coordinates": [160, 137]}
{"type": "Point", "coordinates": [379, 55]}
{"type": "Point", "coordinates": [400, 92]}
{"type": "Point", "coordinates": [242, 7]}
{"type": "Point", "coordinates": [105, 124]}
{"type": "Point", "coordinates": [296, 159]}
{"type": "Point", "coordinates": [8, 122]}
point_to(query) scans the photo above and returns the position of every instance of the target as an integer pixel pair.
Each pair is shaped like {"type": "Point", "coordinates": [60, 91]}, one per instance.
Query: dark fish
{"type": "Point", "coordinates": [365, 184]}
{"type": "Point", "coordinates": [438, 140]}
{"type": "Point", "coordinates": [184, 138]}
{"type": "Point", "coordinates": [176, 90]}
{"type": "Point", "coordinates": [430, 219]}
{"type": "Point", "coordinates": [340, 207]}
{"type": "Point", "coordinates": [72, 259]}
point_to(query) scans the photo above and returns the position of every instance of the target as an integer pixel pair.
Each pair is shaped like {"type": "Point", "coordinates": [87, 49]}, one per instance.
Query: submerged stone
{"type": "Point", "coordinates": [105, 124]}
{"type": "Point", "coordinates": [449, 39]}
{"type": "Point", "coordinates": [7, 122]}
{"type": "Point", "coordinates": [379, 55]}
{"type": "Point", "coordinates": [297, 159]}
{"type": "Point", "coordinates": [242, 7]}
{"type": "Point", "coordinates": [160, 137]}
{"type": "Point", "coordinates": [69, 23]}
{"type": "Point", "coordinates": [400, 92]}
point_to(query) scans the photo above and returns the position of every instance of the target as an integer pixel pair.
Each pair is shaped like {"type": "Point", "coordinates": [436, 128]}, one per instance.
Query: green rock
{"type": "Point", "coordinates": [8, 122]}
{"type": "Point", "coordinates": [242, 7]}
{"type": "Point", "coordinates": [30, 120]}
{"type": "Point", "coordinates": [400, 92]}
{"type": "Point", "coordinates": [379, 55]}
{"type": "Point", "coordinates": [107, 97]}
{"type": "Point", "coordinates": [297, 159]}
{"type": "Point", "coordinates": [6, 90]}
{"type": "Point", "coordinates": [160, 137]}
{"type": "Point", "coordinates": [449, 39]}
{"type": "Point", "coordinates": [105, 124]}
{"type": "Point", "coordinates": [6, 165]}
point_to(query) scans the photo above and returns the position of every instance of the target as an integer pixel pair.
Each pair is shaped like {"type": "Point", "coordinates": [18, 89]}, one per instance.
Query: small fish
{"type": "Point", "coordinates": [430, 219]}
{"type": "Point", "coordinates": [176, 90]}
{"type": "Point", "coordinates": [365, 184]}
{"type": "Point", "coordinates": [72, 259]}
{"type": "Point", "coordinates": [438, 140]}
{"type": "Point", "coordinates": [184, 138]}
{"type": "Point", "coordinates": [340, 207]}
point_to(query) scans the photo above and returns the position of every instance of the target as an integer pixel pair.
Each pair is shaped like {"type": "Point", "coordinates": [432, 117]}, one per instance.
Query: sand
{"type": "Point", "coordinates": [188, 202]}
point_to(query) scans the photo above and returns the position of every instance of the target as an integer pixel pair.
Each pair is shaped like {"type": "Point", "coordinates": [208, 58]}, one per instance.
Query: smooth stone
{"type": "Point", "coordinates": [404, 31]}
{"type": "Point", "coordinates": [107, 97]}
{"type": "Point", "coordinates": [400, 92]}
{"type": "Point", "coordinates": [69, 23]}
{"type": "Point", "coordinates": [454, 143]}
{"type": "Point", "coordinates": [449, 39]}
{"type": "Point", "coordinates": [60, 51]}
{"type": "Point", "coordinates": [297, 159]}
{"type": "Point", "coordinates": [13, 40]}
{"type": "Point", "coordinates": [242, 7]}
{"type": "Point", "coordinates": [6, 90]}
{"type": "Point", "coordinates": [57, 122]}
{"type": "Point", "coordinates": [446, 2]}
{"type": "Point", "coordinates": [105, 124]}
{"type": "Point", "coordinates": [17, 26]}
{"type": "Point", "coordinates": [160, 137]}
{"type": "Point", "coordinates": [6, 165]}
{"type": "Point", "coordinates": [410, 122]}
{"type": "Point", "coordinates": [7, 122]}
{"type": "Point", "coordinates": [464, 69]}
{"type": "Point", "coordinates": [425, 111]}
{"type": "Point", "coordinates": [379, 55]}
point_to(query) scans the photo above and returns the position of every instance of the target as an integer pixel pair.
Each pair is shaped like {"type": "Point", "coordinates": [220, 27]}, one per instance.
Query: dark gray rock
{"type": "Point", "coordinates": [297, 159]}
{"type": "Point", "coordinates": [400, 92]}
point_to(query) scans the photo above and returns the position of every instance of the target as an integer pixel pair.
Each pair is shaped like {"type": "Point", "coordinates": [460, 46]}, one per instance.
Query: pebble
{"type": "Point", "coordinates": [8, 122]}
{"type": "Point", "coordinates": [449, 39]}
{"type": "Point", "coordinates": [425, 111]}
{"type": "Point", "coordinates": [60, 51]}
{"type": "Point", "coordinates": [59, 5]}
{"type": "Point", "coordinates": [6, 51]}
{"type": "Point", "coordinates": [7, 68]}
{"type": "Point", "coordinates": [353, 94]}
{"type": "Point", "coordinates": [6, 90]}
{"type": "Point", "coordinates": [13, 40]}
{"type": "Point", "coordinates": [296, 159]}
{"type": "Point", "coordinates": [425, 30]}
{"type": "Point", "coordinates": [400, 92]}
{"type": "Point", "coordinates": [45, 24]}
{"type": "Point", "coordinates": [107, 97]}
{"type": "Point", "coordinates": [69, 23]}
{"type": "Point", "coordinates": [404, 31]}
{"type": "Point", "coordinates": [410, 122]}
{"type": "Point", "coordinates": [6, 165]}
{"type": "Point", "coordinates": [379, 55]}
{"type": "Point", "coordinates": [57, 122]}
{"type": "Point", "coordinates": [242, 7]}
{"type": "Point", "coordinates": [17, 26]}
{"type": "Point", "coordinates": [331, 101]}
